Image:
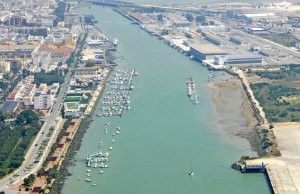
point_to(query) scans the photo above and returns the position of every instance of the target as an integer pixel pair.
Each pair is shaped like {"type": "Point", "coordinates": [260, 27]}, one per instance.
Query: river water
{"type": "Point", "coordinates": [164, 134]}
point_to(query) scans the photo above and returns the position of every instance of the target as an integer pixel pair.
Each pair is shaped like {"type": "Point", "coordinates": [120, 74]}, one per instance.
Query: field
{"type": "Point", "coordinates": [283, 39]}
{"type": "Point", "coordinates": [279, 93]}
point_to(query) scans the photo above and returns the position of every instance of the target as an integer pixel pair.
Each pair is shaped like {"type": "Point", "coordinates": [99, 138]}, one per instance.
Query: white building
{"type": "Point", "coordinates": [45, 96]}
{"type": "Point", "coordinates": [43, 101]}
{"type": "Point", "coordinates": [4, 66]}
{"type": "Point", "coordinates": [42, 59]}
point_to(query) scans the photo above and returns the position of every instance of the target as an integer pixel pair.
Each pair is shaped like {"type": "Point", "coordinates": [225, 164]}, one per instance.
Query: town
{"type": "Point", "coordinates": [54, 64]}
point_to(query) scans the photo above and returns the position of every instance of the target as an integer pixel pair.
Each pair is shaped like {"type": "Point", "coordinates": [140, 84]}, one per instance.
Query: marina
{"type": "Point", "coordinates": [191, 91]}
{"type": "Point", "coordinates": [161, 132]}
{"type": "Point", "coordinates": [117, 98]}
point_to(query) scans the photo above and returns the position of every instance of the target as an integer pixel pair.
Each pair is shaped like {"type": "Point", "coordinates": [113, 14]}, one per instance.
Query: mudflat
{"type": "Point", "coordinates": [234, 113]}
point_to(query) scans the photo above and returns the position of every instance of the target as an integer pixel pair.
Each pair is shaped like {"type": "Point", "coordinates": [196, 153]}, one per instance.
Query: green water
{"type": "Point", "coordinates": [164, 134]}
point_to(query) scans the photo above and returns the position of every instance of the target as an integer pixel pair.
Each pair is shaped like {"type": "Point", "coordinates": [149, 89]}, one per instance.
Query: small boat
{"type": "Point", "coordinates": [101, 171]}
{"type": "Point", "coordinates": [113, 140]}
{"type": "Point", "coordinates": [110, 148]}
{"type": "Point", "coordinates": [88, 174]}
{"type": "Point", "coordinates": [191, 173]}
{"type": "Point", "coordinates": [115, 42]}
{"type": "Point", "coordinates": [87, 180]}
{"type": "Point", "coordinates": [94, 184]}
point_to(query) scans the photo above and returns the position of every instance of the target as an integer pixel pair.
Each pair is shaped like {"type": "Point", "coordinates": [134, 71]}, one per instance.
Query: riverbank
{"type": "Point", "coordinates": [235, 116]}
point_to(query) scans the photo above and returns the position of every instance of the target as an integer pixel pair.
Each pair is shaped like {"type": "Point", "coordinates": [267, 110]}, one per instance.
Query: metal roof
{"type": "Point", "coordinates": [208, 49]}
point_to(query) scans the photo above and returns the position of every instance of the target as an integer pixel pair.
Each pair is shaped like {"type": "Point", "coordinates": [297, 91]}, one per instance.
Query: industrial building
{"type": "Point", "coordinates": [213, 39]}
{"type": "Point", "coordinates": [205, 51]}
{"type": "Point", "coordinates": [237, 59]}
{"type": "Point", "coordinates": [236, 40]}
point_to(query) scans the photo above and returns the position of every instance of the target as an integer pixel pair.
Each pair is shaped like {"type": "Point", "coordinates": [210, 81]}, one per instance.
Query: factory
{"type": "Point", "coordinates": [212, 38]}
{"type": "Point", "coordinates": [256, 17]}
{"type": "Point", "coordinates": [241, 59]}
{"type": "Point", "coordinates": [205, 51]}
{"type": "Point", "coordinates": [236, 40]}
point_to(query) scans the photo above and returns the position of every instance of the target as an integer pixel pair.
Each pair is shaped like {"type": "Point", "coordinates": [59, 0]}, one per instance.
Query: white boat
{"type": "Point", "coordinates": [87, 180]}
{"type": "Point", "coordinates": [101, 171]}
{"type": "Point", "coordinates": [110, 148]}
{"type": "Point", "coordinates": [115, 42]}
{"type": "Point", "coordinates": [94, 184]}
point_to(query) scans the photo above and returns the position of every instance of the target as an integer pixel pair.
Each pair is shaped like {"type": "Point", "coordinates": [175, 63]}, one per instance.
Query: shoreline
{"type": "Point", "coordinates": [235, 116]}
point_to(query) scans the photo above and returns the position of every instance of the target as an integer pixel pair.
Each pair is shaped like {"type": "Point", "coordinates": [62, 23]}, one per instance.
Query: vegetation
{"type": "Point", "coordinates": [59, 12]}
{"type": "Point", "coordinates": [291, 72]}
{"type": "Point", "coordinates": [285, 39]}
{"type": "Point", "coordinates": [280, 103]}
{"type": "Point", "coordinates": [149, 9]}
{"type": "Point", "coordinates": [14, 140]}
{"type": "Point", "coordinates": [200, 19]}
{"type": "Point", "coordinates": [69, 161]}
{"type": "Point", "coordinates": [189, 17]}
{"type": "Point", "coordinates": [54, 146]}
{"type": "Point", "coordinates": [54, 76]}
{"type": "Point", "coordinates": [160, 17]}
{"type": "Point", "coordinates": [29, 180]}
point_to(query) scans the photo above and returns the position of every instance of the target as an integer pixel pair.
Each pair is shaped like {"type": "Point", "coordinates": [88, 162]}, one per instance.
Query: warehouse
{"type": "Point", "coordinates": [205, 51]}
{"type": "Point", "coordinates": [237, 59]}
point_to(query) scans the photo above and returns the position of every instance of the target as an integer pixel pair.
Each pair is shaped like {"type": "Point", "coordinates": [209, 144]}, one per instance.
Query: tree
{"type": "Point", "coordinates": [29, 180]}
{"type": "Point", "coordinates": [200, 19]}
{"type": "Point", "coordinates": [189, 17]}
{"type": "Point", "coordinates": [160, 17]}
{"type": "Point", "coordinates": [27, 117]}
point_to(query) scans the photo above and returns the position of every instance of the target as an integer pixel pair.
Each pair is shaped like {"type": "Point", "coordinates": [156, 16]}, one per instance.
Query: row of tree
{"type": "Point", "coordinates": [14, 140]}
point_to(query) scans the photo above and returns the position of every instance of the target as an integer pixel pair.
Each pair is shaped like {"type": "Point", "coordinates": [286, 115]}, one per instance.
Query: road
{"type": "Point", "coordinates": [30, 165]}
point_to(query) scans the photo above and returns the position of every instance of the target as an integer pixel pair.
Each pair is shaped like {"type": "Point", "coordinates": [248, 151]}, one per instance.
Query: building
{"type": "Point", "coordinates": [237, 59]}
{"type": "Point", "coordinates": [42, 59]}
{"type": "Point", "coordinates": [87, 70]}
{"type": "Point", "coordinates": [23, 93]}
{"type": "Point", "coordinates": [43, 101]}
{"type": "Point", "coordinates": [205, 51]}
{"type": "Point", "coordinates": [45, 96]}
{"type": "Point", "coordinates": [9, 107]}
{"type": "Point", "coordinates": [75, 104]}
{"type": "Point", "coordinates": [236, 40]}
{"type": "Point", "coordinates": [5, 66]}
{"type": "Point", "coordinates": [256, 30]}
{"type": "Point", "coordinates": [181, 24]}
{"type": "Point", "coordinates": [59, 52]}
{"type": "Point", "coordinates": [93, 55]}
{"type": "Point", "coordinates": [213, 39]}
{"type": "Point", "coordinates": [11, 49]}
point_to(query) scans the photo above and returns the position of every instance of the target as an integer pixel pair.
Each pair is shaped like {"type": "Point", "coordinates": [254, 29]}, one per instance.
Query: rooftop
{"type": "Point", "coordinates": [240, 56]}
{"type": "Point", "coordinates": [207, 48]}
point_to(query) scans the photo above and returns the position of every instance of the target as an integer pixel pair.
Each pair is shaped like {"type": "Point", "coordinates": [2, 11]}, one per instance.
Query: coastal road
{"type": "Point", "coordinates": [30, 164]}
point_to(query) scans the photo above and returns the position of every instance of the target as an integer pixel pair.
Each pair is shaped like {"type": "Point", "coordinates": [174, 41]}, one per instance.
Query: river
{"type": "Point", "coordinates": [164, 134]}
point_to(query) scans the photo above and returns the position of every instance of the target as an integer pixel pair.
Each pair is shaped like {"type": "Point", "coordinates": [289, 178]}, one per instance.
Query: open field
{"type": "Point", "coordinates": [278, 92]}
{"type": "Point", "coordinates": [285, 39]}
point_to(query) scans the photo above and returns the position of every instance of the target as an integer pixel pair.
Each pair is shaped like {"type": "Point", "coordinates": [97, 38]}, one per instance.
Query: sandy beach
{"type": "Point", "coordinates": [235, 116]}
